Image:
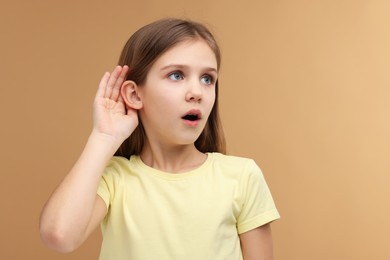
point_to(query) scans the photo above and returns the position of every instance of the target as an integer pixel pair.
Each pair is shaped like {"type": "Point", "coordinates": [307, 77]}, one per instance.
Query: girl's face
{"type": "Point", "coordinates": [179, 93]}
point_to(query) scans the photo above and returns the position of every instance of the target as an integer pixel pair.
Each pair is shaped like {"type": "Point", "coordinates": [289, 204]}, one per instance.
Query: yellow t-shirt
{"type": "Point", "coordinates": [154, 215]}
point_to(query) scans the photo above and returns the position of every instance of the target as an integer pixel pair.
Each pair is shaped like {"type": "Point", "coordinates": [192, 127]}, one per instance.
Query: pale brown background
{"type": "Point", "coordinates": [305, 92]}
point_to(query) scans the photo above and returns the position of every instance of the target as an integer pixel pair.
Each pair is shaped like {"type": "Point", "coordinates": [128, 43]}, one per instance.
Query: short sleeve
{"type": "Point", "coordinates": [106, 187]}
{"type": "Point", "coordinates": [258, 207]}
{"type": "Point", "coordinates": [103, 191]}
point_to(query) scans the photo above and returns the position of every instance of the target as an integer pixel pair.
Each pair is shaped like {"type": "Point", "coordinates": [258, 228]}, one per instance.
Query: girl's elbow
{"type": "Point", "coordinates": [57, 240]}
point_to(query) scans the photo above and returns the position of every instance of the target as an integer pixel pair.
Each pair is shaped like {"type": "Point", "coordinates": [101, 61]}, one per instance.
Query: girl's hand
{"type": "Point", "coordinates": [110, 115]}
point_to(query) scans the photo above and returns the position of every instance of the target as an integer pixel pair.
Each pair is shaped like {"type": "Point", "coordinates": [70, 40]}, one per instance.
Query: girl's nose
{"type": "Point", "coordinates": [194, 92]}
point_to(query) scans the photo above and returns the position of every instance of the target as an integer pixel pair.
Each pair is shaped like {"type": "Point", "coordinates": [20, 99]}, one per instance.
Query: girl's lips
{"type": "Point", "coordinates": [191, 123]}
{"type": "Point", "coordinates": [193, 114]}
{"type": "Point", "coordinates": [192, 117]}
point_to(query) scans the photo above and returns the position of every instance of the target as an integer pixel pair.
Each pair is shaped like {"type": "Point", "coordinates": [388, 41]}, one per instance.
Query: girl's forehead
{"type": "Point", "coordinates": [189, 52]}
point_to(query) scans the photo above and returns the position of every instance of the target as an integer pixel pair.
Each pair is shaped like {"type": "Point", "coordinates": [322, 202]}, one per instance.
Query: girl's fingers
{"type": "Point", "coordinates": [112, 81]}
{"type": "Point", "coordinates": [118, 84]}
{"type": "Point", "coordinates": [102, 85]}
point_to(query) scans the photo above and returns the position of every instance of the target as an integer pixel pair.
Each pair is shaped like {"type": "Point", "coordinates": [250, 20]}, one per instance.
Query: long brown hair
{"type": "Point", "coordinates": [143, 48]}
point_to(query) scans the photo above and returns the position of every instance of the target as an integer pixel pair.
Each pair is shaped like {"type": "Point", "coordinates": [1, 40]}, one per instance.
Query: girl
{"type": "Point", "coordinates": [169, 192]}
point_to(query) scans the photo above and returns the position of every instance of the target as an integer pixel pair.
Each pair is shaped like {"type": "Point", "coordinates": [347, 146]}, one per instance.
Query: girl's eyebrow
{"type": "Point", "coordinates": [184, 67]}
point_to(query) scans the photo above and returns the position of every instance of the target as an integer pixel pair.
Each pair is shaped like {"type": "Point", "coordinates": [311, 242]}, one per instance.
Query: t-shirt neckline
{"type": "Point", "coordinates": [136, 159]}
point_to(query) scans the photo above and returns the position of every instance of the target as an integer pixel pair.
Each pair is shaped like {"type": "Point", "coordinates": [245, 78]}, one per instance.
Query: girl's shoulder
{"type": "Point", "coordinates": [117, 166]}
{"type": "Point", "coordinates": [231, 163]}
{"type": "Point", "coordinates": [231, 160]}
{"type": "Point", "coordinates": [118, 162]}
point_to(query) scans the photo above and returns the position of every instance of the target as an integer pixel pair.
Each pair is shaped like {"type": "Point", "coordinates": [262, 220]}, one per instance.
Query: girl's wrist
{"type": "Point", "coordinates": [104, 141]}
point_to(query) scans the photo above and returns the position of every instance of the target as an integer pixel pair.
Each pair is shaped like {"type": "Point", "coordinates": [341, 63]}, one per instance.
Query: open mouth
{"type": "Point", "coordinates": [191, 117]}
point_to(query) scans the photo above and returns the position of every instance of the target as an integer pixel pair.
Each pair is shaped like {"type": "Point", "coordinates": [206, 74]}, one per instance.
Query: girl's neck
{"type": "Point", "coordinates": [176, 159]}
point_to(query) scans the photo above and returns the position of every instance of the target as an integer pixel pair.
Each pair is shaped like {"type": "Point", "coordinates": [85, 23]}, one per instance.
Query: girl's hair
{"type": "Point", "coordinates": [143, 48]}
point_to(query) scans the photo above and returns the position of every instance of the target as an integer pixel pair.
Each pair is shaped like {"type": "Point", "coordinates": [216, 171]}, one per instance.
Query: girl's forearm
{"type": "Point", "coordinates": [68, 211]}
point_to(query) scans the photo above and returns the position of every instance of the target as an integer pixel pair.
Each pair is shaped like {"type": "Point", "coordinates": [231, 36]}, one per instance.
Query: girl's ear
{"type": "Point", "coordinates": [130, 95]}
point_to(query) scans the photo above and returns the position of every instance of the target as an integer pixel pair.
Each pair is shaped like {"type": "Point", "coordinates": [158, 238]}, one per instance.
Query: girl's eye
{"type": "Point", "coordinates": [176, 76]}
{"type": "Point", "coordinates": [207, 79]}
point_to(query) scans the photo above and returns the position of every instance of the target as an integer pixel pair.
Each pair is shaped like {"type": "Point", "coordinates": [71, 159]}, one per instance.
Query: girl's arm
{"type": "Point", "coordinates": [74, 210]}
{"type": "Point", "coordinates": [256, 244]}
